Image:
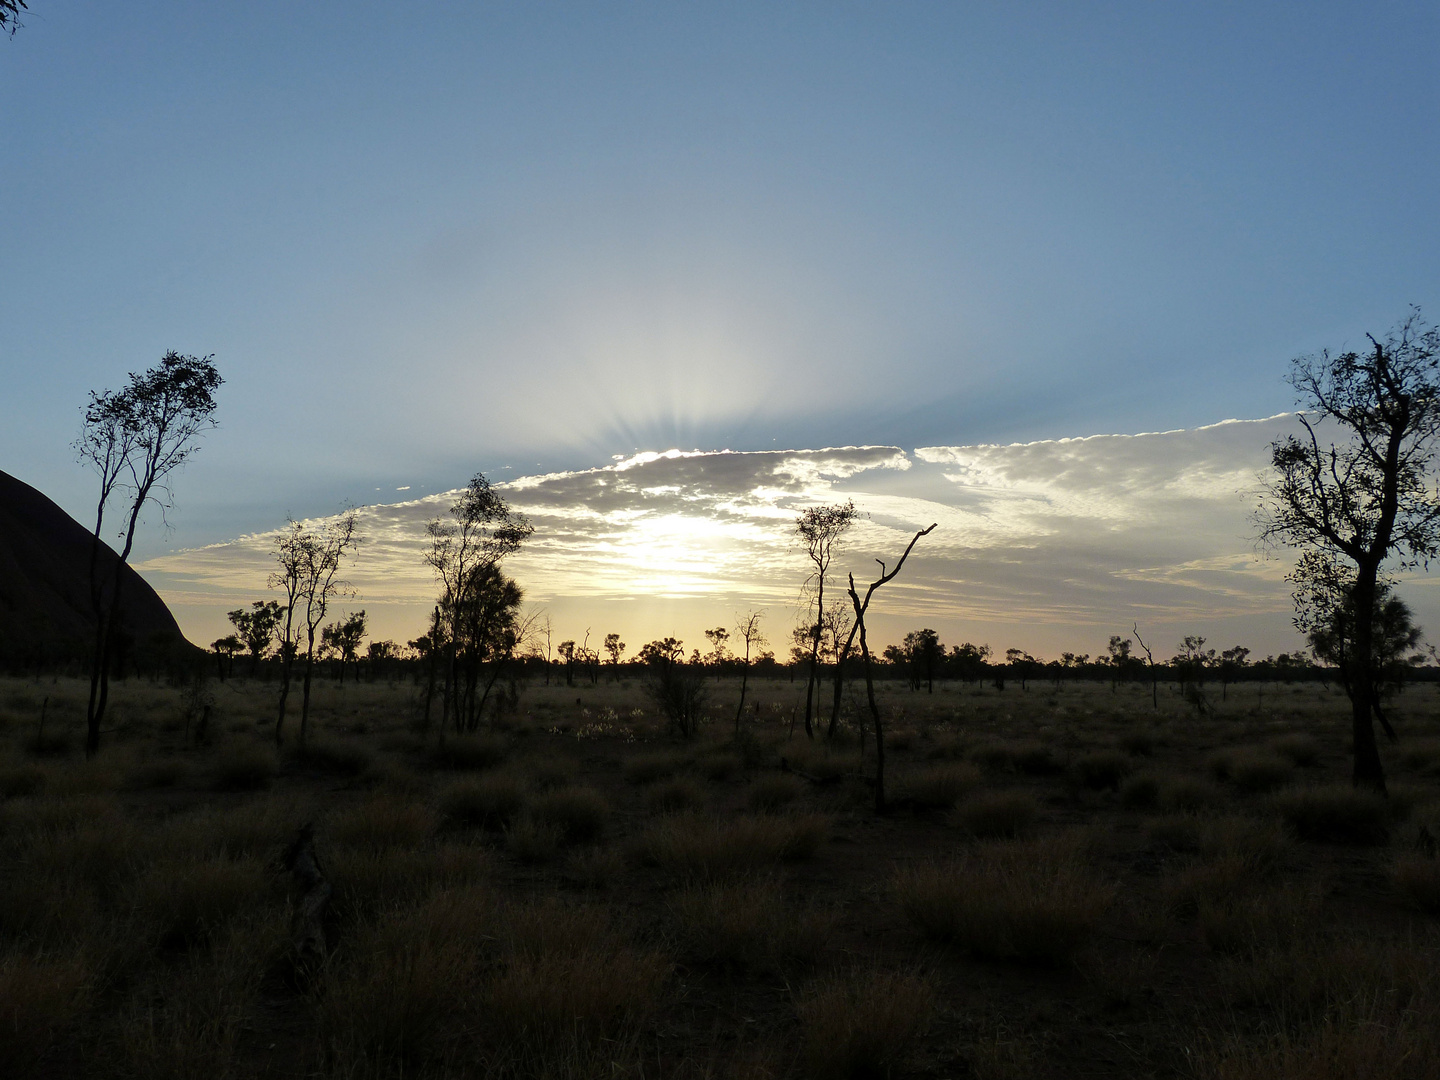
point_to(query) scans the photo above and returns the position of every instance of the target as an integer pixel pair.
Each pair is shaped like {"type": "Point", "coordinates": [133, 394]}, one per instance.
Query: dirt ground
{"type": "Point", "coordinates": [1068, 882]}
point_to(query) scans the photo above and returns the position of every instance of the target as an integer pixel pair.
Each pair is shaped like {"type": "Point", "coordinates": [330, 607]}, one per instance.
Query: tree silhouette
{"type": "Point", "coordinates": [861, 607]}
{"type": "Point", "coordinates": [135, 438]}
{"type": "Point", "coordinates": [820, 528]}
{"type": "Point", "coordinates": [747, 629]}
{"type": "Point", "coordinates": [482, 531]}
{"type": "Point", "coordinates": [10, 15]}
{"type": "Point", "coordinates": [257, 628]}
{"type": "Point", "coordinates": [310, 560]}
{"type": "Point", "coordinates": [344, 637]}
{"type": "Point", "coordinates": [1366, 499]}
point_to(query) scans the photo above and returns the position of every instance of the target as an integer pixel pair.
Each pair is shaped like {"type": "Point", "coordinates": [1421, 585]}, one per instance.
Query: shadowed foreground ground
{"type": "Point", "coordinates": [1071, 884]}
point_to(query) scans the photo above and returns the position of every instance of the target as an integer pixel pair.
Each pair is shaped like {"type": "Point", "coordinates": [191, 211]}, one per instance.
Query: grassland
{"type": "Point", "coordinates": [1070, 883]}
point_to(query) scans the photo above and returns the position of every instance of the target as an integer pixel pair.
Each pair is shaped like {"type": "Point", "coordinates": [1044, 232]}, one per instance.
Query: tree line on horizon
{"type": "Point", "coordinates": [1356, 509]}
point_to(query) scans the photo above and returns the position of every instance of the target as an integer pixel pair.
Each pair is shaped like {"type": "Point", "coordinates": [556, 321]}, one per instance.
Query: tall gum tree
{"type": "Point", "coordinates": [1357, 488]}
{"type": "Point", "coordinates": [135, 439]}
{"type": "Point", "coordinates": [820, 529]}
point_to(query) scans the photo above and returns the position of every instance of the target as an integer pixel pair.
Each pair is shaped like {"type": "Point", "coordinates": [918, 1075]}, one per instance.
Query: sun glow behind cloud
{"type": "Point", "coordinates": [1040, 542]}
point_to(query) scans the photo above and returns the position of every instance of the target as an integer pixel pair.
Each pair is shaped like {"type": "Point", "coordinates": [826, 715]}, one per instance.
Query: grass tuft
{"type": "Point", "coordinates": [1030, 901]}
{"type": "Point", "coordinates": [1336, 814]}
{"type": "Point", "coordinates": [860, 1023]}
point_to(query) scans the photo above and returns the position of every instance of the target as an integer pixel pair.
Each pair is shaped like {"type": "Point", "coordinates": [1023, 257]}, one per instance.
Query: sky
{"type": "Point", "coordinates": [543, 241]}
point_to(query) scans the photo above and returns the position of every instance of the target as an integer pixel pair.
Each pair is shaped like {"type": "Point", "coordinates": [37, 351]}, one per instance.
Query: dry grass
{"type": "Point", "coordinates": [997, 814]}
{"type": "Point", "coordinates": [383, 820]}
{"type": "Point", "coordinates": [40, 996]}
{"type": "Point", "coordinates": [1336, 814]}
{"type": "Point", "coordinates": [1417, 877]}
{"type": "Point", "coordinates": [769, 794]}
{"type": "Point", "coordinates": [861, 1023]}
{"type": "Point", "coordinates": [694, 847]}
{"type": "Point", "coordinates": [490, 802]}
{"type": "Point", "coordinates": [247, 766]}
{"type": "Point", "coordinates": [1103, 769]}
{"type": "Point", "coordinates": [750, 925]}
{"type": "Point", "coordinates": [580, 814]}
{"type": "Point", "coordinates": [939, 787]}
{"type": "Point", "coordinates": [1031, 901]}
{"type": "Point", "coordinates": [1257, 772]}
{"type": "Point", "coordinates": [679, 793]}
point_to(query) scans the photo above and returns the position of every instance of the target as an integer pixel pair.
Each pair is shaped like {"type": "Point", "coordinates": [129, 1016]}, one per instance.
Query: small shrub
{"type": "Point", "coordinates": [533, 841]}
{"type": "Point", "coordinates": [647, 768]}
{"type": "Point", "coordinates": [749, 925]}
{"type": "Point", "coordinates": [165, 773]}
{"type": "Point", "coordinates": [1103, 769]}
{"type": "Point", "coordinates": [1140, 792]}
{"type": "Point", "coordinates": [997, 813]}
{"type": "Point", "coordinates": [901, 739]}
{"type": "Point", "coordinates": [594, 867]}
{"type": "Point", "coordinates": [860, 1024]}
{"type": "Point", "coordinates": [1258, 773]}
{"type": "Point", "coordinates": [1423, 756]}
{"type": "Point", "coordinates": [1300, 750]}
{"type": "Point", "coordinates": [1335, 814]}
{"type": "Point", "coordinates": [951, 748]}
{"type": "Point", "coordinates": [490, 802]}
{"type": "Point", "coordinates": [696, 847]}
{"type": "Point", "coordinates": [1190, 795]}
{"type": "Point", "coordinates": [1247, 922]}
{"type": "Point", "coordinates": [471, 752]}
{"type": "Point", "coordinates": [568, 979]}
{"type": "Point", "coordinates": [383, 821]}
{"type": "Point", "coordinates": [184, 903]}
{"type": "Point", "coordinates": [25, 780]}
{"type": "Point", "coordinates": [39, 994]}
{"type": "Point", "coordinates": [940, 787]}
{"type": "Point", "coordinates": [1418, 879]}
{"type": "Point", "coordinates": [676, 794]}
{"type": "Point", "coordinates": [1138, 743]}
{"type": "Point", "coordinates": [579, 813]}
{"type": "Point", "coordinates": [1035, 759]}
{"type": "Point", "coordinates": [406, 975]}
{"type": "Point", "coordinates": [333, 756]}
{"type": "Point", "coordinates": [719, 766]}
{"type": "Point", "coordinates": [774, 792]}
{"type": "Point", "coordinates": [244, 767]}
{"type": "Point", "coordinates": [1030, 901]}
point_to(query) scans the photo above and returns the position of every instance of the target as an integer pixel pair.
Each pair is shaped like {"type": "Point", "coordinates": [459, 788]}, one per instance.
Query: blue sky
{"type": "Point", "coordinates": [431, 239]}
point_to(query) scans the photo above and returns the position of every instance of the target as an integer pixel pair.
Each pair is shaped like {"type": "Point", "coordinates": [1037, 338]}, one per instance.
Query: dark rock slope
{"type": "Point", "coordinates": [45, 612]}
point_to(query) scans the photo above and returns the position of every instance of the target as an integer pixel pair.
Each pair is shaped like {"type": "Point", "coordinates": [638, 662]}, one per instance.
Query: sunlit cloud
{"type": "Point", "coordinates": [1042, 537]}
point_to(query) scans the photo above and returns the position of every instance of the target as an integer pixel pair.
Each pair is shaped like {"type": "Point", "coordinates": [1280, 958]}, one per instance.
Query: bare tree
{"type": "Point", "coordinates": [861, 607]}
{"type": "Point", "coordinates": [747, 629]}
{"type": "Point", "coordinates": [10, 15]}
{"type": "Point", "coordinates": [820, 528]}
{"type": "Point", "coordinates": [1369, 498]}
{"type": "Point", "coordinates": [1150, 665]}
{"type": "Point", "coordinates": [135, 438]}
{"type": "Point", "coordinates": [309, 573]}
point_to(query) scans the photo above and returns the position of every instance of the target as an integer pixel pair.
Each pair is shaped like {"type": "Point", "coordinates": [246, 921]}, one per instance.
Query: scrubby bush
{"type": "Point", "coordinates": [997, 813]}
{"type": "Point", "coordinates": [860, 1023]}
{"type": "Point", "coordinates": [244, 767]}
{"type": "Point", "coordinates": [381, 821]}
{"type": "Point", "coordinates": [579, 813]}
{"type": "Point", "coordinates": [1417, 876]}
{"type": "Point", "coordinates": [676, 794]}
{"type": "Point", "coordinates": [341, 758]}
{"type": "Point", "coordinates": [1140, 792]}
{"type": "Point", "coordinates": [773, 792]}
{"type": "Point", "coordinates": [1299, 749]}
{"type": "Point", "coordinates": [939, 787]}
{"type": "Point", "coordinates": [1258, 773]}
{"type": "Point", "coordinates": [647, 768]}
{"type": "Point", "coordinates": [1103, 769]}
{"type": "Point", "coordinates": [1032, 901]}
{"type": "Point", "coordinates": [489, 802]}
{"type": "Point", "coordinates": [749, 925]}
{"type": "Point", "coordinates": [471, 752]}
{"type": "Point", "coordinates": [695, 847]}
{"type": "Point", "coordinates": [1335, 814]}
